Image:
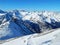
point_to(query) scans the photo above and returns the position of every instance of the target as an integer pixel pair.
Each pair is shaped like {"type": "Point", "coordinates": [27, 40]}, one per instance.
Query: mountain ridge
{"type": "Point", "coordinates": [20, 23]}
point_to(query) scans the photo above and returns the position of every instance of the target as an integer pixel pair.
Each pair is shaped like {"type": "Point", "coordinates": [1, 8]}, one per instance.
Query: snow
{"type": "Point", "coordinates": [3, 30]}
{"type": "Point", "coordinates": [23, 13]}
{"type": "Point", "coordinates": [32, 17]}
{"type": "Point", "coordinates": [51, 38]}
{"type": "Point", "coordinates": [2, 14]}
{"type": "Point", "coordinates": [38, 16]}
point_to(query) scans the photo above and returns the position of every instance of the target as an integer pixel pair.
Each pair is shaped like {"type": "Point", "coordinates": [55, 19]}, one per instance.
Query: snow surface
{"type": "Point", "coordinates": [51, 38]}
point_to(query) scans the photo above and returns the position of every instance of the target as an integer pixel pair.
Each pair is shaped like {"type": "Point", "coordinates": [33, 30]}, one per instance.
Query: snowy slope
{"type": "Point", "coordinates": [46, 38]}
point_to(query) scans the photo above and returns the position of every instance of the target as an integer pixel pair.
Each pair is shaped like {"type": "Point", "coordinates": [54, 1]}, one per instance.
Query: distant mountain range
{"type": "Point", "coordinates": [18, 23]}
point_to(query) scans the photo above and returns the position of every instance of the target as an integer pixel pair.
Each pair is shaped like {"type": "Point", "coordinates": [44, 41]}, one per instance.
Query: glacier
{"type": "Point", "coordinates": [24, 24]}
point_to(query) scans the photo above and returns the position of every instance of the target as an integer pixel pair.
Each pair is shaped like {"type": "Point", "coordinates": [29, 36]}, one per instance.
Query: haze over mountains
{"type": "Point", "coordinates": [17, 23]}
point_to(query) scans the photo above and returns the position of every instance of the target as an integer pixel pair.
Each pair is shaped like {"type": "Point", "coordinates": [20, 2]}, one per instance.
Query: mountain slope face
{"type": "Point", "coordinates": [19, 23]}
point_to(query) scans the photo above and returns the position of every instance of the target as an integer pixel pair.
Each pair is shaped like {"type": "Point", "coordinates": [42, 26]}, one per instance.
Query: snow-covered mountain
{"type": "Point", "coordinates": [17, 23]}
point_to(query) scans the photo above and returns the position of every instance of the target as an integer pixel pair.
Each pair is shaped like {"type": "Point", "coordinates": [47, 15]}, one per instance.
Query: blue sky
{"type": "Point", "coordinates": [53, 5]}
